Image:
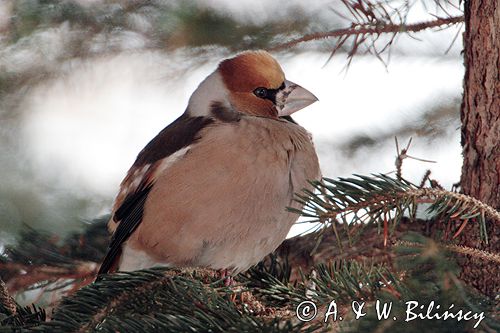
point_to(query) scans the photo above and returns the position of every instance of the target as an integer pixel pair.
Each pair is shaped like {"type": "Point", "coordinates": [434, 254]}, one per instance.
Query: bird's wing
{"type": "Point", "coordinates": [168, 146]}
{"type": "Point", "coordinates": [229, 211]}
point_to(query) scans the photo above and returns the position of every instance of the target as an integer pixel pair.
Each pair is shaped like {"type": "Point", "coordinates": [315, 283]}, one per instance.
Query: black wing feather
{"type": "Point", "coordinates": [181, 133]}
{"type": "Point", "coordinates": [131, 210]}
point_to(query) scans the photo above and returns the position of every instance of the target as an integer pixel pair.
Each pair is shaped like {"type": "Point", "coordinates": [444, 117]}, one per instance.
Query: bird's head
{"type": "Point", "coordinates": [257, 86]}
{"type": "Point", "coordinates": [253, 83]}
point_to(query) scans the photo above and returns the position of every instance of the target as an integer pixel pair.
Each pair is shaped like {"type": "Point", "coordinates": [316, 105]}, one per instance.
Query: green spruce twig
{"type": "Point", "coordinates": [381, 198]}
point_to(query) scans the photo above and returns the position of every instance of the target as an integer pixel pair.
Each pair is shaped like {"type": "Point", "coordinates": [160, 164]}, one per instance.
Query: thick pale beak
{"type": "Point", "coordinates": [293, 98]}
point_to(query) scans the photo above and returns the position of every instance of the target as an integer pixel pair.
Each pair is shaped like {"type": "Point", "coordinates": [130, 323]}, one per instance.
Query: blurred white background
{"type": "Point", "coordinates": [69, 138]}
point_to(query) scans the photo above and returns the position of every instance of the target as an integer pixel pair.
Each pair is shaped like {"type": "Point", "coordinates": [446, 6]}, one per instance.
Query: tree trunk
{"type": "Point", "coordinates": [481, 102]}
{"type": "Point", "coordinates": [480, 114]}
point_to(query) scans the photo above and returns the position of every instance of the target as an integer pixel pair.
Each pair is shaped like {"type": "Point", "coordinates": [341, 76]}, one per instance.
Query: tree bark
{"type": "Point", "coordinates": [480, 110]}
{"type": "Point", "coordinates": [480, 114]}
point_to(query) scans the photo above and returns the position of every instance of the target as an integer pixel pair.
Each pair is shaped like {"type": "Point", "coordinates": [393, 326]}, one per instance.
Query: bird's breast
{"type": "Point", "coordinates": [223, 205]}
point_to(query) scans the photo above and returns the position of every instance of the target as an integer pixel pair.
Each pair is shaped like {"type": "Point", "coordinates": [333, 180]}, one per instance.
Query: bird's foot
{"type": "Point", "coordinates": [228, 279]}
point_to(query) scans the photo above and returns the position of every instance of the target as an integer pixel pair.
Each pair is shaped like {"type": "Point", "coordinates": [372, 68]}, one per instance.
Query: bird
{"type": "Point", "coordinates": [211, 190]}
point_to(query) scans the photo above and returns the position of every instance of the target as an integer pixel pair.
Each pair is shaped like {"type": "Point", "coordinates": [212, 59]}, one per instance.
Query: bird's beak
{"type": "Point", "coordinates": [293, 98]}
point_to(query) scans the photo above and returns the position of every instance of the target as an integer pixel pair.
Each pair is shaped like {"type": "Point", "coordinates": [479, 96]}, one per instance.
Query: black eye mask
{"type": "Point", "coordinates": [266, 93]}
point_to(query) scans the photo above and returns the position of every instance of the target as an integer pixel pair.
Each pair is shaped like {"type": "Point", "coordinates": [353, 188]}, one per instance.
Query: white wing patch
{"type": "Point", "coordinates": [146, 174]}
{"type": "Point", "coordinates": [170, 160]}
{"type": "Point", "coordinates": [137, 178]}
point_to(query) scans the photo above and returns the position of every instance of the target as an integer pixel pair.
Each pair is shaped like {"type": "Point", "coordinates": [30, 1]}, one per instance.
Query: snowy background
{"type": "Point", "coordinates": [68, 136]}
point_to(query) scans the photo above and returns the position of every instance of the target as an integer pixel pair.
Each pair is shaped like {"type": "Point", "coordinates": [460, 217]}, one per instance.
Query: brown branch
{"type": "Point", "coordinates": [464, 250]}
{"type": "Point", "coordinates": [420, 195]}
{"type": "Point", "coordinates": [371, 30]}
{"type": "Point", "coordinates": [37, 274]}
{"type": "Point", "coordinates": [124, 296]}
{"type": "Point", "coordinates": [298, 251]}
{"type": "Point", "coordinates": [438, 192]}
{"type": "Point", "coordinates": [121, 298]}
{"type": "Point", "coordinates": [425, 178]}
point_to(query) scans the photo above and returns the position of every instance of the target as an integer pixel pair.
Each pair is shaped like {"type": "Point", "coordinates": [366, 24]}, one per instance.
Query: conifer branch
{"type": "Point", "coordinates": [263, 299]}
{"type": "Point", "coordinates": [460, 249]}
{"type": "Point", "coordinates": [162, 299]}
{"type": "Point", "coordinates": [364, 30]}
{"type": "Point", "coordinates": [6, 300]}
{"type": "Point", "coordinates": [381, 198]}
{"type": "Point", "coordinates": [474, 205]}
{"type": "Point", "coordinates": [14, 318]}
{"type": "Point", "coordinates": [35, 274]}
{"type": "Point", "coordinates": [118, 300]}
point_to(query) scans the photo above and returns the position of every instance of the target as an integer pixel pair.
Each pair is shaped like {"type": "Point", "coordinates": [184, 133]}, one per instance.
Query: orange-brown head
{"type": "Point", "coordinates": [257, 86]}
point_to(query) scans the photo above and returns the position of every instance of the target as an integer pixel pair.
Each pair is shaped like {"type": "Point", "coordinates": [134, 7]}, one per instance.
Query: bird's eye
{"type": "Point", "coordinates": [260, 92]}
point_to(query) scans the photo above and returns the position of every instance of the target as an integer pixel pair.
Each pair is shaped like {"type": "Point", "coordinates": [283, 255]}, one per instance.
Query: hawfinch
{"type": "Point", "coordinates": [211, 189]}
